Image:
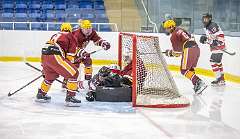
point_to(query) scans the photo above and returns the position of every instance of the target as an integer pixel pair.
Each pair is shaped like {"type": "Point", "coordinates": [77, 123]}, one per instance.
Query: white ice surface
{"type": "Point", "coordinates": [214, 115]}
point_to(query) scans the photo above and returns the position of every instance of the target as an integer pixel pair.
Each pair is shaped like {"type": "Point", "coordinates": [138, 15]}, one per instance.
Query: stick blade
{"type": "Point", "coordinates": [9, 94]}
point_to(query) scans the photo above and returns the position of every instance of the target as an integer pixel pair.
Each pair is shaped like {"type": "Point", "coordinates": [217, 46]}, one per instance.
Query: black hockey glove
{"type": "Point", "coordinates": [203, 39]}
{"type": "Point", "coordinates": [90, 96]}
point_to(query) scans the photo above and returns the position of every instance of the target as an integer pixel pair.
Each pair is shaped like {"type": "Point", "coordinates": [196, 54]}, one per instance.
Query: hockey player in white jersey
{"type": "Point", "coordinates": [215, 38]}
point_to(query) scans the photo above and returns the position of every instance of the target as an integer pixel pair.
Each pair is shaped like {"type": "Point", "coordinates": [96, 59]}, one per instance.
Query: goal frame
{"type": "Point", "coordinates": [134, 72]}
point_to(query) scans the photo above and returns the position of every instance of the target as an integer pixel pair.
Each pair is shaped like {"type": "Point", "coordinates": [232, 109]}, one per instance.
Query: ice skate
{"type": "Point", "coordinates": [71, 101]}
{"type": "Point", "coordinates": [42, 98]}
{"type": "Point", "coordinates": [218, 82]}
{"type": "Point", "coordinates": [199, 87]}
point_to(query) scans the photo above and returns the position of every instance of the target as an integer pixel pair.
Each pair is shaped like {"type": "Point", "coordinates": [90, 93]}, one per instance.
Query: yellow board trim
{"type": "Point", "coordinates": [199, 71]}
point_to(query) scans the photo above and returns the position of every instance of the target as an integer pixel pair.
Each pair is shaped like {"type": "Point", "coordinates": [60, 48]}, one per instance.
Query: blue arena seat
{"type": "Point", "coordinates": [47, 6]}
{"type": "Point", "coordinates": [7, 17]}
{"type": "Point", "coordinates": [21, 17]}
{"type": "Point", "coordinates": [60, 6]}
{"type": "Point", "coordinates": [88, 16]}
{"type": "Point", "coordinates": [60, 17]}
{"type": "Point", "coordinates": [6, 26]}
{"type": "Point", "coordinates": [7, 6]}
{"type": "Point", "coordinates": [34, 6]}
{"type": "Point", "coordinates": [85, 4]}
{"type": "Point", "coordinates": [21, 26]}
{"type": "Point", "coordinates": [35, 17]}
{"type": "Point", "coordinates": [21, 6]}
{"type": "Point", "coordinates": [72, 6]}
{"type": "Point", "coordinates": [50, 17]}
{"type": "Point", "coordinates": [99, 5]}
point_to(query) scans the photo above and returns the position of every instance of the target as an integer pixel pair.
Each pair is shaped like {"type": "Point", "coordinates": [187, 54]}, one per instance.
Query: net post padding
{"type": "Point", "coordinates": [153, 85]}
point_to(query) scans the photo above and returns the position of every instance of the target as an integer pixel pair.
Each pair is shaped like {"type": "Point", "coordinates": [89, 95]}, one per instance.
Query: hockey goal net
{"type": "Point", "coordinates": [153, 85]}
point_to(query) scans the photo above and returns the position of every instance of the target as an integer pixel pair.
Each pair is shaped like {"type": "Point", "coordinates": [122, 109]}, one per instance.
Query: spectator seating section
{"type": "Point", "coordinates": [51, 11]}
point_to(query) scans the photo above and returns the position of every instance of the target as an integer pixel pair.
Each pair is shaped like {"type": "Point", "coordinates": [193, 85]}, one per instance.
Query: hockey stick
{"type": "Point", "coordinates": [30, 65]}
{"type": "Point", "coordinates": [223, 50]}
{"type": "Point", "coordinates": [10, 94]}
{"type": "Point", "coordinates": [95, 51]}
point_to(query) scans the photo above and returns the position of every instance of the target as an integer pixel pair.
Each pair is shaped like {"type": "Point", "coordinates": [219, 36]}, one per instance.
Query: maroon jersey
{"type": "Point", "coordinates": [66, 41]}
{"type": "Point", "coordinates": [179, 38]}
{"type": "Point", "coordinates": [83, 40]}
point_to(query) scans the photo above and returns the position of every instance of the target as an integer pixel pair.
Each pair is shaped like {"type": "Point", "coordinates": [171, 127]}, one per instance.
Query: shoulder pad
{"type": "Point", "coordinates": [213, 27]}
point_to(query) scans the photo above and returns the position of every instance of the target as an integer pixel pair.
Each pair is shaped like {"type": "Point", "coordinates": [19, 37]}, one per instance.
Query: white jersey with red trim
{"type": "Point", "coordinates": [215, 37]}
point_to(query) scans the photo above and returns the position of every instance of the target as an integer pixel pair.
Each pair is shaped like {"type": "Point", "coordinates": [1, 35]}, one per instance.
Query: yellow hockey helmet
{"type": "Point", "coordinates": [86, 24]}
{"type": "Point", "coordinates": [66, 27]}
{"type": "Point", "coordinates": [169, 23]}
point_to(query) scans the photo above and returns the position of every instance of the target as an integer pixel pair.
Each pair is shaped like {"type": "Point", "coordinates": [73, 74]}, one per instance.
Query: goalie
{"type": "Point", "coordinates": [183, 44]}
{"type": "Point", "coordinates": [215, 38]}
{"type": "Point", "coordinates": [107, 77]}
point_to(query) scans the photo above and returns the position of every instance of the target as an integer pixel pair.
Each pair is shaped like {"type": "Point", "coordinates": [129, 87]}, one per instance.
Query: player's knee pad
{"type": "Point", "coordinates": [72, 85]}
{"type": "Point", "coordinates": [87, 62]}
{"type": "Point", "coordinates": [45, 86]}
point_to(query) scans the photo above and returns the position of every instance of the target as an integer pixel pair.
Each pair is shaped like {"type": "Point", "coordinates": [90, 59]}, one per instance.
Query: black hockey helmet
{"type": "Point", "coordinates": [104, 71]}
{"type": "Point", "coordinates": [206, 19]}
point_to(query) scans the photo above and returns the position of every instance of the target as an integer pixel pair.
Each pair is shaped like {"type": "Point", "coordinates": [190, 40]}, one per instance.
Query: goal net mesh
{"type": "Point", "coordinates": [153, 85]}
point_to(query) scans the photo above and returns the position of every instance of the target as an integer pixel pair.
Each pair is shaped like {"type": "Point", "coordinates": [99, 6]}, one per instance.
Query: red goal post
{"type": "Point", "coordinates": [152, 83]}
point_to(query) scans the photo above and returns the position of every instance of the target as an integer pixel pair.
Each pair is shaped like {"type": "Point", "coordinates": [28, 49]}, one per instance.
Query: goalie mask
{"type": "Point", "coordinates": [104, 71]}
{"type": "Point", "coordinates": [206, 19]}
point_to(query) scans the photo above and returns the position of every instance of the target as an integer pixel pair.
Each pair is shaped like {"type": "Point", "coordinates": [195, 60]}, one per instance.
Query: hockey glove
{"type": "Point", "coordinates": [203, 39]}
{"type": "Point", "coordinates": [169, 53]}
{"type": "Point", "coordinates": [90, 96]}
{"type": "Point", "coordinates": [105, 45]}
{"type": "Point", "coordinates": [83, 54]}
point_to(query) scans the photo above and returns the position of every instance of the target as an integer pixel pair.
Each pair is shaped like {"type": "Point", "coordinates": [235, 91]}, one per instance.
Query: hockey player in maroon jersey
{"type": "Point", "coordinates": [183, 44]}
{"type": "Point", "coordinates": [84, 34]}
{"type": "Point", "coordinates": [56, 60]}
{"type": "Point", "coordinates": [215, 38]}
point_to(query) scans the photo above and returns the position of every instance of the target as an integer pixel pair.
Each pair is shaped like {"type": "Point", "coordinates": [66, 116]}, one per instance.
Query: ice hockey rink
{"type": "Point", "coordinates": [214, 114]}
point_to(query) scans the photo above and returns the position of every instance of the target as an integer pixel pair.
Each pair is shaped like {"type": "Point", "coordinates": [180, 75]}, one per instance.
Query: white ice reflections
{"type": "Point", "coordinates": [213, 115]}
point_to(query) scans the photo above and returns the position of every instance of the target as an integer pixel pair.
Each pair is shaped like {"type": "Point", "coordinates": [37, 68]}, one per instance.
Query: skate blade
{"type": "Point", "coordinates": [42, 101]}
{"type": "Point", "coordinates": [218, 85]}
{"type": "Point", "coordinates": [70, 104]}
{"type": "Point", "coordinates": [199, 92]}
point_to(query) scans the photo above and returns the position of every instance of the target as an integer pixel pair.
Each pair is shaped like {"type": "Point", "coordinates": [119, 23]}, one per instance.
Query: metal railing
{"type": "Point", "coordinates": [53, 26]}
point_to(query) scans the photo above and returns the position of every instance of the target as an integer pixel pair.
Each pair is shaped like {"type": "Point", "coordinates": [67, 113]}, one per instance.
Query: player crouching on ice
{"type": "Point", "coordinates": [215, 38]}
{"type": "Point", "coordinates": [56, 60]}
{"type": "Point", "coordinates": [184, 45]}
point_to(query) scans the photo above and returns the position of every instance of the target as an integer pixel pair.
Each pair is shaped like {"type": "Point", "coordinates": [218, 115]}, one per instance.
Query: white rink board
{"type": "Point", "coordinates": [29, 43]}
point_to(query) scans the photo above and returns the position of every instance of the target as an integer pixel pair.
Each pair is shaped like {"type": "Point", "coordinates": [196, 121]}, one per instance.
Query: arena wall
{"type": "Point", "coordinates": [26, 45]}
